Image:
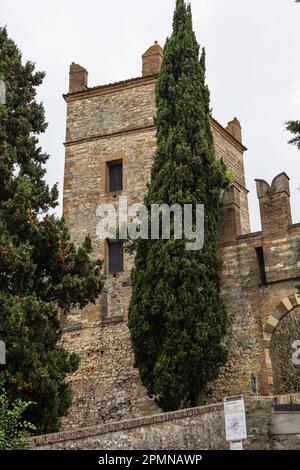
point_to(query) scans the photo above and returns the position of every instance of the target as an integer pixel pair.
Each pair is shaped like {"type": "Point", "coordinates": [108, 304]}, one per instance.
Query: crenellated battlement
{"type": "Point", "coordinates": [274, 204]}
{"type": "Point", "coordinates": [275, 209]}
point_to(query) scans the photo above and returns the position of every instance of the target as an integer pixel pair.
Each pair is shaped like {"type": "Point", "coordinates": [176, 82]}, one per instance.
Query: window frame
{"type": "Point", "coordinates": [260, 256]}
{"type": "Point", "coordinates": [109, 165]}
{"type": "Point", "coordinates": [120, 267]}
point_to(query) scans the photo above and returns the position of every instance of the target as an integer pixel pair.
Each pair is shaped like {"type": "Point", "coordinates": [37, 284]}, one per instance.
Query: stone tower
{"type": "Point", "coordinates": [110, 147]}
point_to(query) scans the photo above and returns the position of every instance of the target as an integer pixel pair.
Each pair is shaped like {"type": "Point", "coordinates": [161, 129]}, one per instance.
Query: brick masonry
{"type": "Point", "coordinates": [116, 122]}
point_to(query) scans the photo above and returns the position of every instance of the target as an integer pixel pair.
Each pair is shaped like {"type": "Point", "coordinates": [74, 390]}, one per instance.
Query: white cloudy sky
{"type": "Point", "coordinates": [252, 59]}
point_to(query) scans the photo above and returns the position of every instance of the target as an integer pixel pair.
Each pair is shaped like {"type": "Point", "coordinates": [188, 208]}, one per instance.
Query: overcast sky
{"type": "Point", "coordinates": [253, 66]}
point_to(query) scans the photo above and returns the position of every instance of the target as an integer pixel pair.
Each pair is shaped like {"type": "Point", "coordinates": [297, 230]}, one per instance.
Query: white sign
{"type": "Point", "coordinates": [235, 418]}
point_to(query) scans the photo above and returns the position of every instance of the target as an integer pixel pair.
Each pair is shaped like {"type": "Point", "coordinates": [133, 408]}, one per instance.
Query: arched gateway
{"type": "Point", "coordinates": [281, 334]}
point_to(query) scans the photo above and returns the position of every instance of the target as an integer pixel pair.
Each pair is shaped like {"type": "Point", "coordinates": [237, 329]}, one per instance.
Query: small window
{"type": "Point", "coordinates": [115, 257]}
{"type": "Point", "coordinates": [261, 265]}
{"type": "Point", "coordinates": [115, 176]}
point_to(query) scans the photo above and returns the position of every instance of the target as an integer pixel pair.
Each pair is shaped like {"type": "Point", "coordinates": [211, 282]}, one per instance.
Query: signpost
{"type": "Point", "coordinates": [235, 421]}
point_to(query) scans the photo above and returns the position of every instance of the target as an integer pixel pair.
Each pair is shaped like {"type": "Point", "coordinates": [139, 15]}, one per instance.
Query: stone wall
{"type": "Point", "coordinates": [252, 306]}
{"type": "Point", "coordinates": [197, 428]}
{"type": "Point", "coordinates": [106, 387]}
{"type": "Point", "coordinates": [286, 374]}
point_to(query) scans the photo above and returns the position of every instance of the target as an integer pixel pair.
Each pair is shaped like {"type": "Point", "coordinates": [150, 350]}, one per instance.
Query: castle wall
{"type": "Point", "coordinates": [111, 110]}
{"type": "Point", "coordinates": [251, 304]}
{"type": "Point", "coordinates": [286, 376]}
{"type": "Point", "coordinates": [106, 387]}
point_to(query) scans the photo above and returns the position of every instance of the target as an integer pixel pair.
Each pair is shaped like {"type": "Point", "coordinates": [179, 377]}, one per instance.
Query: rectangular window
{"type": "Point", "coordinates": [115, 257]}
{"type": "Point", "coordinates": [261, 265]}
{"type": "Point", "coordinates": [115, 176]}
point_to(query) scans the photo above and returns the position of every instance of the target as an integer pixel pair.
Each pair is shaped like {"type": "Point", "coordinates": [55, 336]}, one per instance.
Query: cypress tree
{"type": "Point", "coordinates": [294, 128]}
{"type": "Point", "coordinates": [177, 318]}
{"type": "Point", "coordinates": [42, 273]}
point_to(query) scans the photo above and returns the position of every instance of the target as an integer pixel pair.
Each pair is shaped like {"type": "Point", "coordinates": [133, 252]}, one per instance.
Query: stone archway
{"type": "Point", "coordinates": [280, 331]}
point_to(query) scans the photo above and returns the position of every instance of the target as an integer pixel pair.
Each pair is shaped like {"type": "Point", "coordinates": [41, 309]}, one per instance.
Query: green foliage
{"type": "Point", "coordinates": [42, 273]}
{"type": "Point", "coordinates": [14, 430]}
{"type": "Point", "coordinates": [294, 128]}
{"type": "Point", "coordinates": [177, 318]}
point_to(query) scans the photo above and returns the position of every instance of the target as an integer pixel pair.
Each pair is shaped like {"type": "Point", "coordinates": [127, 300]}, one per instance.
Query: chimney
{"type": "Point", "coordinates": [274, 204]}
{"type": "Point", "coordinates": [234, 128]}
{"type": "Point", "coordinates": [78, 78]}
{"type": "Point", "coordinates": [152, 60]}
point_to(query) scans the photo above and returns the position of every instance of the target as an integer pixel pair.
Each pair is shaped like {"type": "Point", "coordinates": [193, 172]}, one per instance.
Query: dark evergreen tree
{"type": "Point", "coordinates": [42, 273]}
{"type": "Point", "coordinates": [177, 317]}
{"type": "Point", "coordinates": [294, 128]}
